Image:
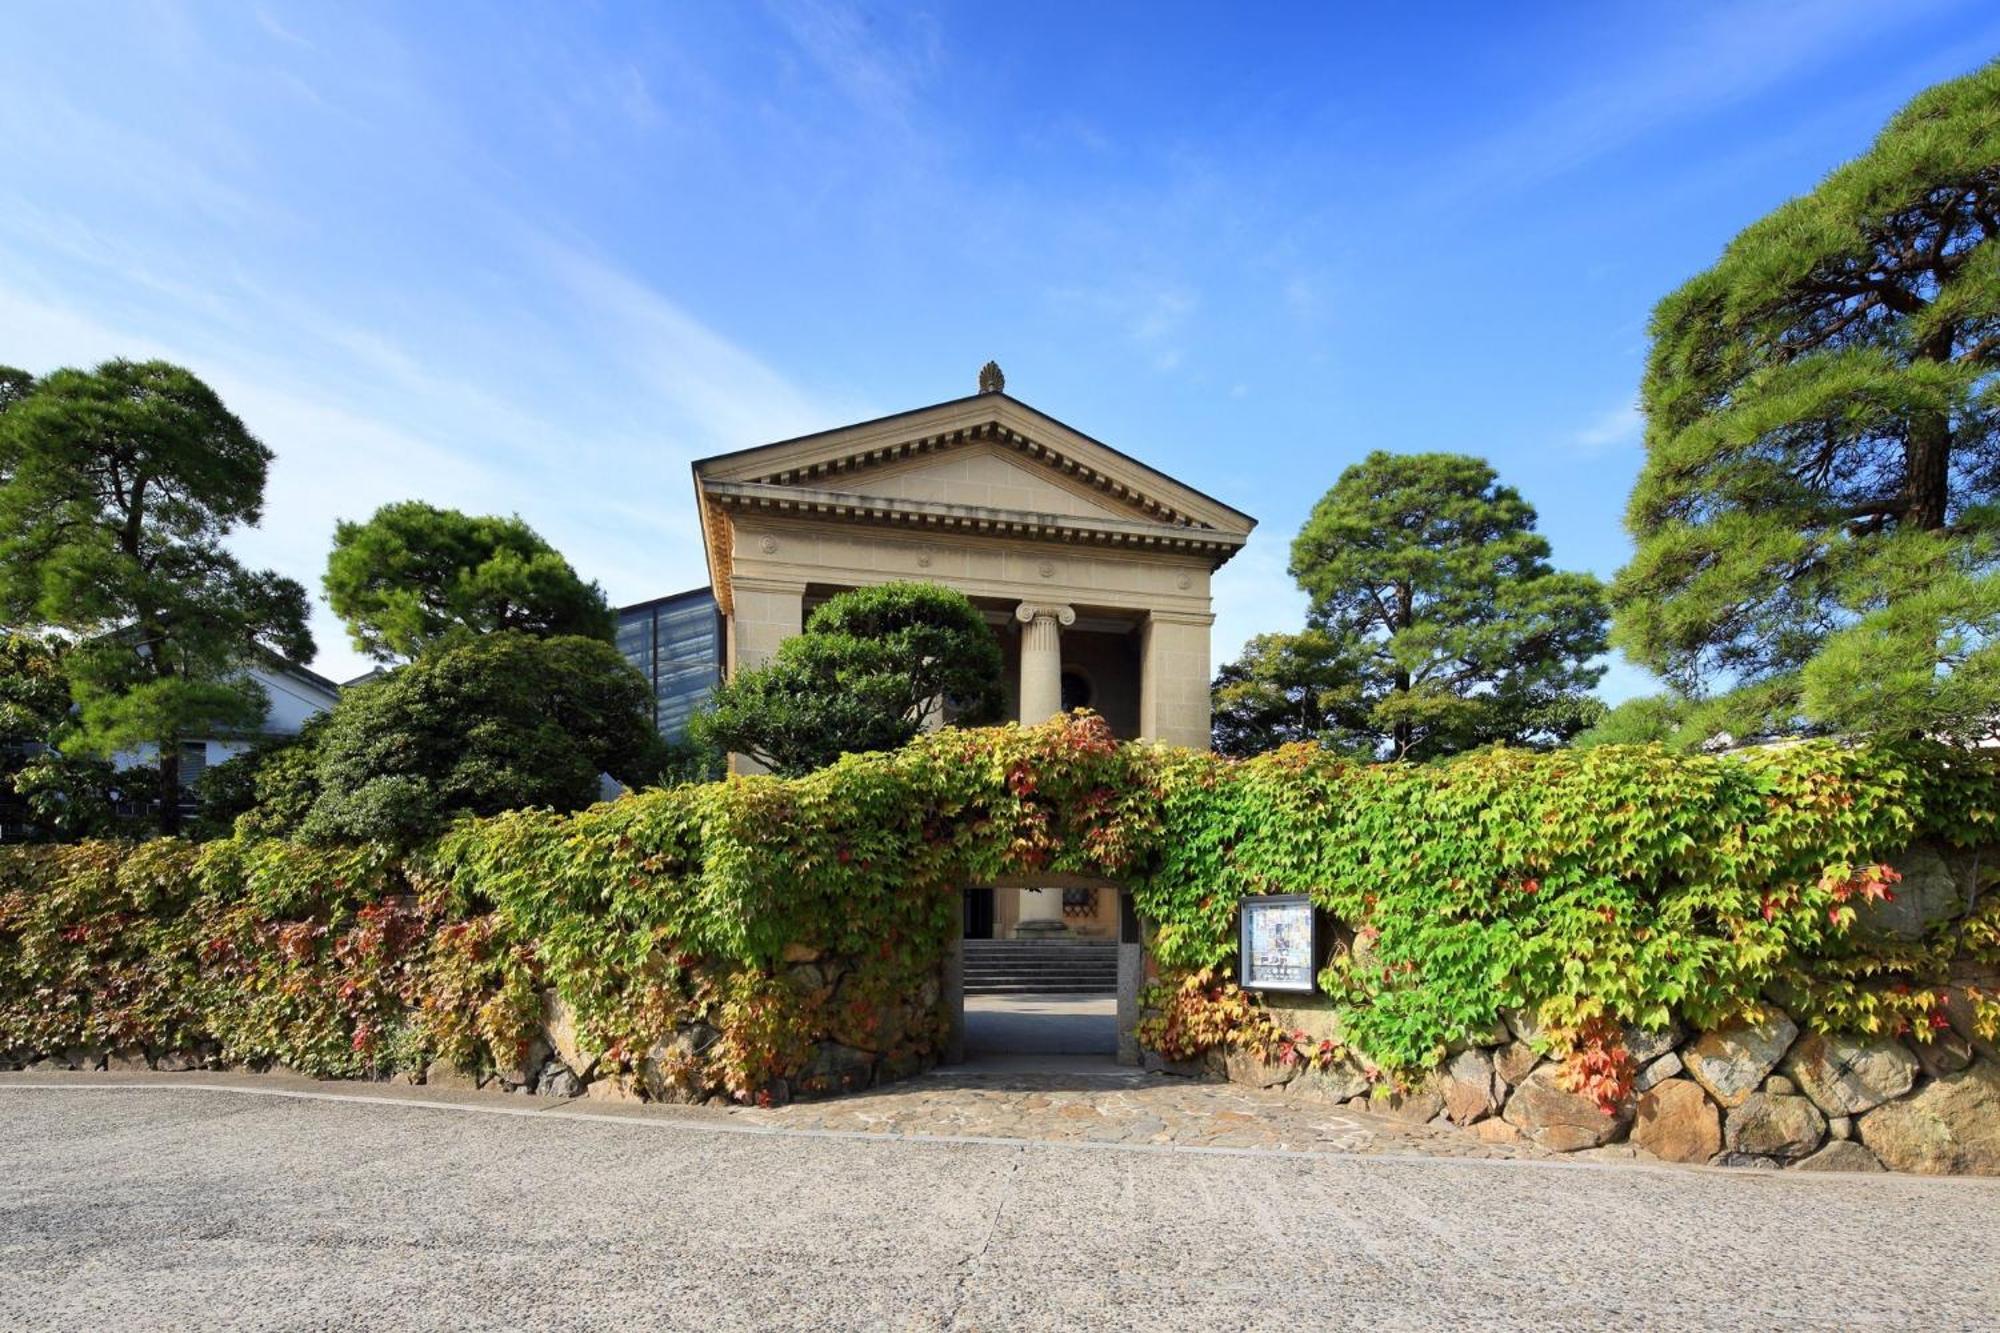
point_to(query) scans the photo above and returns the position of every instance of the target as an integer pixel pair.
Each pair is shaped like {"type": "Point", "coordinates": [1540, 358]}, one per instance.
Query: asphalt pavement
{"type": "Point", "coordinates": [1015, 1025]}
{"type": "Point", "coordinates": [169, 1207]}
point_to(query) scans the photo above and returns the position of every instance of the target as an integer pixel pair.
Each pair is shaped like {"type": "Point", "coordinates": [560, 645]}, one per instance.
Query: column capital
{"type": "Point", "coordinates": [1029, 612]}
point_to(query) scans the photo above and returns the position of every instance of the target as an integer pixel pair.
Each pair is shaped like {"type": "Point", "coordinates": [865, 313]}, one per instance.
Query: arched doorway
{"type": "Point", "coordinates": [1045, 985]}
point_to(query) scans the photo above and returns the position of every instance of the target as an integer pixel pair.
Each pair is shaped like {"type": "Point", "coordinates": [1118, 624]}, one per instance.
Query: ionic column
{"type": "Point", "coordinates": [1041, 658]}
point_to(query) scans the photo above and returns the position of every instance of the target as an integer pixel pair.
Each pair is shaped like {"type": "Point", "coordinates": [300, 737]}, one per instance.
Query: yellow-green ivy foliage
{"type": "Point", "coordinates": [1615, 884]}
{"type": "Point", "coordinates": [1619, 883]}
{"type": "Point", "coordinates": [678, 905]}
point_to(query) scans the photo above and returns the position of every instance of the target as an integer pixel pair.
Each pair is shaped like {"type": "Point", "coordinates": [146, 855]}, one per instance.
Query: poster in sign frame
{"type": "Point", "coordinates": [1278, 943]}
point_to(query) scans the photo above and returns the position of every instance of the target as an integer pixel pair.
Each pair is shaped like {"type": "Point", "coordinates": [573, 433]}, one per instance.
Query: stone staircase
{"type": "Point", "coordinates": [1045, 966]}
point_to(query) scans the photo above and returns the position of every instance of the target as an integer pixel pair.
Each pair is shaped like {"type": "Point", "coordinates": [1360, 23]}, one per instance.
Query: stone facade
{"type": "Point", "coordinates": [1092, 567]}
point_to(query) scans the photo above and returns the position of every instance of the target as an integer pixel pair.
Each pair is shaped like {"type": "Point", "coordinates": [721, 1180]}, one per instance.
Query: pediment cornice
{"type": "Point", "coordinates": [839, 459]}
{"type": "Point", "coordinates": [792, 501]}
{"type": "Point", "coordinates": [826, 477]}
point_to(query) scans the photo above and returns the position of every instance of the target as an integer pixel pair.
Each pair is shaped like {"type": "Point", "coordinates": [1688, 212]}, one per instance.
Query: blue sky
{"type": "Point", "coordinates": [535, 259]}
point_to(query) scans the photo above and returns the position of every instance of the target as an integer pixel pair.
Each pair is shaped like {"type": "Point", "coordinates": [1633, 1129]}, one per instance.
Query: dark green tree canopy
{"type": "Point", "coordinates": [117, 489]}
{"type": "Point", "coordinates": [15, 385]}
{"type": "Point", "coordinates": [868, 669]}
{"type": "Point", "coordinates": [1815, 523]}
{"type": "Point", "coordinates": [499, 722]}
{"type": "Point", "coordinates": [1427, 575]}
{"type": "Point", "coordinates": [46, 791]}
{"type": "Point", "coordinates": [1290, 687]}
{"type": "Point", "coordinates": [1645, 720]}
{"type": "Point", "coordinates": [34, 690]}
{"type": "Point", "coordinates": [268, 792]}
{"type": "Point", "coordinates": [414, 574]}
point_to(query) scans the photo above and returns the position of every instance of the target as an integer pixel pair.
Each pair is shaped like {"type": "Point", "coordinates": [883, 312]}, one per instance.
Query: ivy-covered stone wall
{"type": "Point", "coordinates": [753, 939]}
{"type": "Point", "coordinates": [1759, 1092]}
{"type": "Point", "coordinates": [761, 939]}
{"type": "Point", "coordinates": [1563, 947]}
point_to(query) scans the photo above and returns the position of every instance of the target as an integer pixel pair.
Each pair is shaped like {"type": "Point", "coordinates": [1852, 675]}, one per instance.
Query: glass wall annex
{"type": "Point", "coordinates": [676, 642]}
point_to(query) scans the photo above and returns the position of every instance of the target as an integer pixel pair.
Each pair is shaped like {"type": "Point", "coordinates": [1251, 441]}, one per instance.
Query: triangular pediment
{"type": "Point", "coordinates": [991, 476]}
{"type": "Point", "coordinates": [990, 444]}
{"type": "Point", "coordinates": [985, 466]}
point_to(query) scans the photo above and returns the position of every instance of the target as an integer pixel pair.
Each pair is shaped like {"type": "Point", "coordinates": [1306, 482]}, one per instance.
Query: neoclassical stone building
{"type": "Point", "coordinates": [1093, 568]}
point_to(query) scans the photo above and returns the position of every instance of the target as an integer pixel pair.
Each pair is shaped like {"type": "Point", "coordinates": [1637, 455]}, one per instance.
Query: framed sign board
{"type": "Point", "coordinates": [1279, 943]}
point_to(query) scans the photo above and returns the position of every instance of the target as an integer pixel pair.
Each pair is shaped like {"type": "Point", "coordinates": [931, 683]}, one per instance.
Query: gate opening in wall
{"type": "Point", "coordinates": [1043, 969]}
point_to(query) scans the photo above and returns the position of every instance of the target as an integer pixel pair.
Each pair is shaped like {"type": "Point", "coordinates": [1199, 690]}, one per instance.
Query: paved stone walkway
{"type": "Point", "coordinates": [1086, 1105]}
{"type": "Point", "coordinates": [1041, 1024]}
{"type": "Point", "coordinates": [1050, 1099]}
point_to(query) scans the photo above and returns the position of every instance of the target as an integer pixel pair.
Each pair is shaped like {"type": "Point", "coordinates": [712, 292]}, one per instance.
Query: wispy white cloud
{"type": "Point", "coordinates": [1072, 130]}
{"type": "Point", "coordinates": [270, 24]}
{"type": "Point", "coordinates": [1609, 430]}
{"type": "Point", "coordinates": [878, 71]}
{"type": "Point", "coordinates": [719, 395]}
{"type": "Point", "coordinates": [634, 96]}
{"type": "Point", "coordinates": [1159, 324]}
{"type": "Point", "coordinates": [54, 138]}
{"type": "Point", "coordinates": [1302, 296]}
{"type": "Point", "coordinates": [1729, 55]}
{"type": "Point", "coordinates": [1153, 317]}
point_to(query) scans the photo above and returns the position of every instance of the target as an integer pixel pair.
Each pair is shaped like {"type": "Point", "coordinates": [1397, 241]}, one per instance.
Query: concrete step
{"type": "Point", "coordinates": [1086, 957]}
{"type": "Point", "coordinates": [1044, 942]}
{"type": "Point", "coordinates": [1040, 965]}
{"type": "Point", "coordinates": [1055, 966]}
{"type": "Point", "coordinates": [1043, 967]}
{"type": "Point", "coordinates": [1020, 950]}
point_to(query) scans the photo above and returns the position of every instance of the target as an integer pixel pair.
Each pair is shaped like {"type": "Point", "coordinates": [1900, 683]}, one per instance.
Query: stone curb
{"type": "Point", "coordinates": [485, 1104]}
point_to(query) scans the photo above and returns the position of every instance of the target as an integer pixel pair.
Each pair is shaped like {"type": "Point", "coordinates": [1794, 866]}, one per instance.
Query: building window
{"type": "Point", "coordinates": [194, 763]}
{"type": "Point", "coordinates": [676, 643]}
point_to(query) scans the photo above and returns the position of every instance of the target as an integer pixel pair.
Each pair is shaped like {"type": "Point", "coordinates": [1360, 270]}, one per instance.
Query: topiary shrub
{"type": "Point", "coordinates": [870, 667]}
{"type": "Point", "coordinates": [495, 723]}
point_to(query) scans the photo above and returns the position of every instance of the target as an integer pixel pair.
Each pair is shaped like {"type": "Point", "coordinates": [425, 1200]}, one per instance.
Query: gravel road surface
{"type": "Point", "coordinates": [167, 1207]}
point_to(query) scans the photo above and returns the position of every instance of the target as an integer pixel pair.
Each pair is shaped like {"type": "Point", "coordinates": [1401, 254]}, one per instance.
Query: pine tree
{"type": "Point", "coordinates": [415, 575]}
{"type": "Point", "coordinates": [1428, 577]}
{"type": "Point", "coordinates": [1816, 525]}
{"type": "Point", "coordinates": [118, 487]}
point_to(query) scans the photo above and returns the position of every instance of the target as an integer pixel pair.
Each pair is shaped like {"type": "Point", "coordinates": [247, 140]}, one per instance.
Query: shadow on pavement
{"type": "Point", "coordinates": [1039, 1042]}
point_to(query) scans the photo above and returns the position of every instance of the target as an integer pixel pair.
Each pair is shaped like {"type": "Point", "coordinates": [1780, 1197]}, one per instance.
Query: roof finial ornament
{"type": "Point", "coordinates": [990, 378]}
